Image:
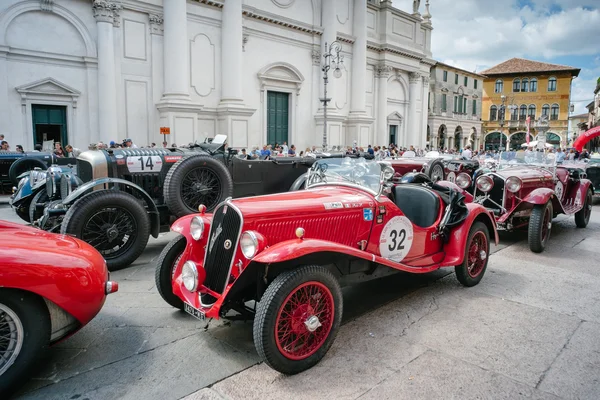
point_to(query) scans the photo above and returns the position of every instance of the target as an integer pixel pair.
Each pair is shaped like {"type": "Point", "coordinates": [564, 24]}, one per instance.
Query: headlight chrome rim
{"type": "Point", "coordinates": [197, 228]}
{"type": "Point", "coordinates": [484, 183]}
{"type": "Point", "coordinates": [514, 184]}
{"type": "Point", "coordinates": [251, 236]}
{"type": "Point", "coordinates": [463, 180]}
{"type": "Point", "coordinates": [189, 276]}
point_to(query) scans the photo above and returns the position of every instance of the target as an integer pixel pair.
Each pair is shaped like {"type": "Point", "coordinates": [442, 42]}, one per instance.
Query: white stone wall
{"type": "Point", "coordinates": [61, 52]}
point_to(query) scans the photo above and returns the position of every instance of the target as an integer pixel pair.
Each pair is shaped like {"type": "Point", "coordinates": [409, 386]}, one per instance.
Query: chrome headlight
{"type": "Point", "coordinates": [197, 228]}
{"type": "Point", "coordinates": [189, 276]}
{"type": "Point", "coordinates": [36, 175]}
{"type": "Point", "coordinates": [463, 180]}
{"type": "Point", "coordinates": [513, 184]}
{"type": "Point", "coordinates": [388, 173]}
{"type": "Point", "coordinates": [249, 244]}
{"type": "Point", "coordinates": [484, 183]}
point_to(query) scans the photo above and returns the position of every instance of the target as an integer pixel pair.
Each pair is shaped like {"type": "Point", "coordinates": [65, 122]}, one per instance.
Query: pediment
{"type": "Point", "coordinates": [395, 116]}
{"type": "Point", "coordinates": [48, 86]}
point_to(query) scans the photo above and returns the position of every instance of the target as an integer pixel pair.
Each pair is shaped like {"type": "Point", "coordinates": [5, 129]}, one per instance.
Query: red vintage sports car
{"type": "Point", "coordinates": [529, 191]}
{"type": "Point", "coordinates": [50, 287]}
{"type": "Point", "coordinates": [291, 253]}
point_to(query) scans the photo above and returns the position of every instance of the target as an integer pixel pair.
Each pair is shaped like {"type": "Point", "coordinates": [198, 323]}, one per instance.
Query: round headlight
{"type": "Point", "coordinates": [513, 184]}
{"type": "Point", "coordinates": [388, 173]}
{"type": "Point", "coordinates": [197, 228]}
{"type": "Point", "coordinates": [463, 180]}
{"type": "Point", "coordinates": [484, 183]}
{"type": "Point", "coordinates": [249, 244]}
{"type": "Point", "coordinates": [189, 275]}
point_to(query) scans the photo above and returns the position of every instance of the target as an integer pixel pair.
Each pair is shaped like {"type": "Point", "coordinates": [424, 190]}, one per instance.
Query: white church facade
{"type": "Point", "coordinates": [83, 71]}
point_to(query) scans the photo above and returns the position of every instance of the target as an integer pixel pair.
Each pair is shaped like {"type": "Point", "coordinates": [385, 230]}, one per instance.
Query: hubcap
{"type": "Point", "coordinates": [482, 255]}
{"type": "Point", "coordinates": [111, 231]}
{"type": "Point", "coordinates": [304, 320]}
{"type": "Point", "coordinates": [11, 337]}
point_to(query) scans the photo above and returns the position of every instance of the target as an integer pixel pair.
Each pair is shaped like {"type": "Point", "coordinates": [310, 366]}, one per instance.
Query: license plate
{"type": "Point", "coordinates": [194, 312]}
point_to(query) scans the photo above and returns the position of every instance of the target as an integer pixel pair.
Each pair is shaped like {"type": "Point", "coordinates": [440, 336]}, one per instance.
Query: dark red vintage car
{"type": "Point", "coordinates": [50, 287]}
{"type": "Point", "coordinates": [292, 252]}
{"type": "Point", "coordinates": [437, 166]}
{"type": "Point", "coordinates": [530, 192]}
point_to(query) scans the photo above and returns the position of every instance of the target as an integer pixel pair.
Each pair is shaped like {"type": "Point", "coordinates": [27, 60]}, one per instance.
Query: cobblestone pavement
{"type": "Point", "coordinates": [529, 329]}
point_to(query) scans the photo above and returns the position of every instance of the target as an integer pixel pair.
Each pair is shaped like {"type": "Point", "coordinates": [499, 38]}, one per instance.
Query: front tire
{"type": "Point", "coordinates": [298, 319]}
{"type": "Point", "coordinates": [477, 254]}
{"type": "Point", "coordinates": [113, 222]}
{"type": "Point", "coordinates": [24, 333]}
{"type": "Point", "coordinates": [36, 213]}
{"type": "Point", "coordinates": [582, 217]}
{"type": "Point", "coordinates": [540, 227]}
{"type": "Point", "coordinates": [165, 268]}
{"type": "Point", "coordinates": [23, 211]}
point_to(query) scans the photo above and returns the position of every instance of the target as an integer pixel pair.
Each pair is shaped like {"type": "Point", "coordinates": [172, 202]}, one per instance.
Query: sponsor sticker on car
{"type": "Point", "coordinates": [172, 159]}
{"type": "Point", "coordinates": [368, 214]}
{"type": "Point", "coordinates": [396, 238]}
{"type": "Point", "coordinates": [333, 206]}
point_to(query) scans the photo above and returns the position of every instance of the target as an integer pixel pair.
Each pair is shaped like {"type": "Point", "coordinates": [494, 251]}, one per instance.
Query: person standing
{"type": "Point", "coordinates": [58, 150]}
{"type": "Point", "coordinates": [467, 154]}
{"type": "Point", "coordinates": [292, 151]}
{"type": "Point", "coordinates": [285, 147]}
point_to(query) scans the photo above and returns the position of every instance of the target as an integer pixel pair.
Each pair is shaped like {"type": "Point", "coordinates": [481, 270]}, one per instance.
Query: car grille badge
{"type": "Point", "coordinates": [214, 237]}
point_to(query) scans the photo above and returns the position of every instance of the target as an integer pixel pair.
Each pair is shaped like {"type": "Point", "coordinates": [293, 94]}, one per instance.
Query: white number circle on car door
{"type": "Point", "coordinates": [451, 177]}
{"type": "Point", "coordinates": [396, 239]}
{"type": "Point", "coordinates": [144, 163]}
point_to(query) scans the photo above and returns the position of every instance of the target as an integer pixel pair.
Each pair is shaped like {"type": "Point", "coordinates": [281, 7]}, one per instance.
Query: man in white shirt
{"type": "Point", "coordinates": [467, 154]}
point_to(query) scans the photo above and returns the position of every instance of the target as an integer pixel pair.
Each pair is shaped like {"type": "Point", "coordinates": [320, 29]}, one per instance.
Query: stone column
{"type": "Point", "coordinates": [422, 138]}
{"type": "Point", "coordinates": [157, 64]}
{"type": "Point", "coordinates": [359, 57]}
{"type": "Point", "coordinates": [412, 138]}
{"type": "Point", "coordinates": [176, 60]}
{"type": "Point", "coordinates": [104, 12]}
{"type": "Point", "coordinates": [329, 36]}
{"type": "Point", "coordinates": [231, 52]}
{"type": "Point", "coordinates": [383, 73]}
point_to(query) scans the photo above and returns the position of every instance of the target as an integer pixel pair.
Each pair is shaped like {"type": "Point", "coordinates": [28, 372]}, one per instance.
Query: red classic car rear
{"type": "Point", "coordinates": [292, 252]}
{"type": "Point", "coordinates": [50, 287]}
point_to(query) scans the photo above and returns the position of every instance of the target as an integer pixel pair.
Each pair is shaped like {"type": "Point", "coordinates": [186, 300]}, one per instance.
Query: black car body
{"type": "Point", "coordinates": [592, 171]}
{"type": "Point", "coordinates": [13, 164]}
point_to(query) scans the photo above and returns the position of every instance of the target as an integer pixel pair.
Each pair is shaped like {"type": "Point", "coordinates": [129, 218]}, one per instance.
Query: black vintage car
{"type": "Point", "coordinates": [119, 197]}
{"type": "Point", "coordinates": [13, 164]}
{"type": "Point", "coordinates": [592, 171]}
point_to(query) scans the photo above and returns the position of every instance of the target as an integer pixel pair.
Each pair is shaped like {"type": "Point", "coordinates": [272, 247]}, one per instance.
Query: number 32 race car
{"type": "Point", "coordinates": [292, 252]}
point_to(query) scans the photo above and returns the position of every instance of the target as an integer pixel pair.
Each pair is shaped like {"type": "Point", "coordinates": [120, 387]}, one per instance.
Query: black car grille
{"type": "Point", "coordinates": [221, 247]}
{"type": "Point", "coordinates": [593, 174]}
{"type": "Point", "coordinates": [85, 171]}
{"type": "Point", "coordinates": [151, 183]}
{"type": "Point", "coordinates": [495, 196]}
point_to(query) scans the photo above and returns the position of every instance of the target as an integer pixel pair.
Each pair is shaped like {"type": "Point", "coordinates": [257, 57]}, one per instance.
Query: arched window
{"type": "Point", "coordinates": [499, 86]}
{"type": "Point", "coordinates": [554, 112]}
{"type": "Point", "coordinates": [523, 112]}
{"type": "Point", "coordinates": [517, 85]}
{"type": "Point", "coordinates": [525, 85]}
{"type": "Point", "coordinates": [552, 84]}
{"type": "Point", "coordinates": [532, 111]}
{"type": "Point", "coordinates": [493, 113]}
{"type": "Point", "coordinates": [514, 113]}
{"type": "Point", "coordinates": [533, 85]}
{"type": "Point", "coordinates": [546, 110]}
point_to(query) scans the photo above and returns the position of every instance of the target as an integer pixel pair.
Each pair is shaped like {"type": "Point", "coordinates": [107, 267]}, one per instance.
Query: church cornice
{"type": "Point", "coordinates": [251, 12]}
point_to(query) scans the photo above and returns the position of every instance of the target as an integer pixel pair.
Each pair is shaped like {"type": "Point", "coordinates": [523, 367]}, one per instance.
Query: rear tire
{"type": "Point", "coordinates": [165, 267]}
{"type": "Point", "coordinates": [113, 222]}
{"type": "Point", "coordinates": [24, 317]}
{"type": "Point", "coordinates": [477, 254]}
{"type": "Point", "coordinates": [582, 217]}
{"type": "Point", "coordinates": [195, 180]}
{"type": "Point", "coordinates": [290, 311]}
{"type": "Point", "coordinates": [540, 227]}
{"type": "Point", "coordinates": [435, 170]}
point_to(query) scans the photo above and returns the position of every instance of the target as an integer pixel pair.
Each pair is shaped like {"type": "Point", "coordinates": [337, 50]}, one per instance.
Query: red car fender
{"type": "Point", "coordinates": [296, 248]}
{"type": "Point", "coordinates": [455, 249]}
{"type": "Point", "coordinates": [539, 196]}
{"type": "Point", "coordinates": [448, 184]}
{"type": "Point", "coordinates": [182, 225]}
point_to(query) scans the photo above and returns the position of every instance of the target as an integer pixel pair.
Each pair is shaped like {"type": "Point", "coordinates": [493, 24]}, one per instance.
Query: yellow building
{"type": "Point", "coordinates": [525, 88]}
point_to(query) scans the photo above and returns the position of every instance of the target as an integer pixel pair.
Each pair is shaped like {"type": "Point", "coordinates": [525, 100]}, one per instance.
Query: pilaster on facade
{"type": "Point", "coordinates": [156, 24]}
{"type": "Point", "coordinates": [107, 11]}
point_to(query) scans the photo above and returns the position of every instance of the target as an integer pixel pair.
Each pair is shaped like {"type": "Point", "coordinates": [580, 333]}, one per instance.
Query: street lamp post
{"type": "Point", "coordinates": [332, 59]}
{"type": "Point", "coordinates": [501, 116]}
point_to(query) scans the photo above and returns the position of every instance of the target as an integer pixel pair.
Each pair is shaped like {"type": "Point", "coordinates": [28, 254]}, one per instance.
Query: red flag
{"type": "Point", "coordinates": [528, 123]}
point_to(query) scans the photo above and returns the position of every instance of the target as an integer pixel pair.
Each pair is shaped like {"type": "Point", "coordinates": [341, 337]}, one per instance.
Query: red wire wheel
{"type": "Point", "coordinates": [304, 320]}
{"type": "Point", "coordinates": [477, 254]}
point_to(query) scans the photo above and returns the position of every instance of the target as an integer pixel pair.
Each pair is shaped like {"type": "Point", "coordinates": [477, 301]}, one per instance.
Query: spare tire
{"type": "Point", "coordinates": [435, 170]}
{"type": "Point", "coordinates": [23, 165]}
{"type": "Point", "coordinates": [195, 180]}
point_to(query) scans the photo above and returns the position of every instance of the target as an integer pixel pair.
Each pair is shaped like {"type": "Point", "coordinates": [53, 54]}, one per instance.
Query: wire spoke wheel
{"type": "Point", "coordinates": [201, 186]}
{"type": "Point", "coordinates": [304, 320]}
{"type": "Point", "coordinates": [546, 224]}
{"type": "Point", "coordinates": [477, 254]}
{"type": "Point", "coordinates": [11, 337]}
{"type": "Point", "coordinates": [437, 173]}
{"type": "Point", "coordinates": [111, 230]}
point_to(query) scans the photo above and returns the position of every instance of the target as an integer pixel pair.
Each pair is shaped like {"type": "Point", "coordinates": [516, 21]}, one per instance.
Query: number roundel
{"type": "Point", "coordinates": [451, 177]}
{"type": "Point", "coordinates": [396, 238]}
{"type": "Point", "coordinates": [144, 164]}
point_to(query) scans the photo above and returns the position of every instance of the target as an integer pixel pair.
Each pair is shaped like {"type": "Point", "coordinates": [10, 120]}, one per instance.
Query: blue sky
{"type": "Point", "coordinates": [478, 34]}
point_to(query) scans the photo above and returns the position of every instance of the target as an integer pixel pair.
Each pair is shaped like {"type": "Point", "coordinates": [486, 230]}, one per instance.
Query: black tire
{"type": "Point", "coordinates": [471, 271]}
{"type": "Point", "coordinates": [163, 275]}
{"type": "Point", "coordinates": [34, 318]}
{"type": "Point", "coordinates": [582, 217]}
{"type": "Point", "coordinates": [299, 183]}
{"type": "Point", "coordinates": [23, 165]}
{"type": "Point", "coordinates": [36, 213]}
{"type": "Point", "coordinates": [268, 312]}
{"type": "Point", "coordinates": [23, 211]}
{"type": "Point", "coordinates": [540, 227]}
{"type": "Point", "coordinates": [434, 170]}
{"type": "Point", "coordinates": [196, 180]}
{"type": "Point", "coordinates": [116, 216]}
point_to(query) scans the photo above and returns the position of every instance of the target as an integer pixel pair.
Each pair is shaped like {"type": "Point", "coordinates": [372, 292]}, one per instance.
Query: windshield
{"type": "Point", "coordinates": [527, 157]}
{"type": "Point", "coordinates": [367, 174]}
